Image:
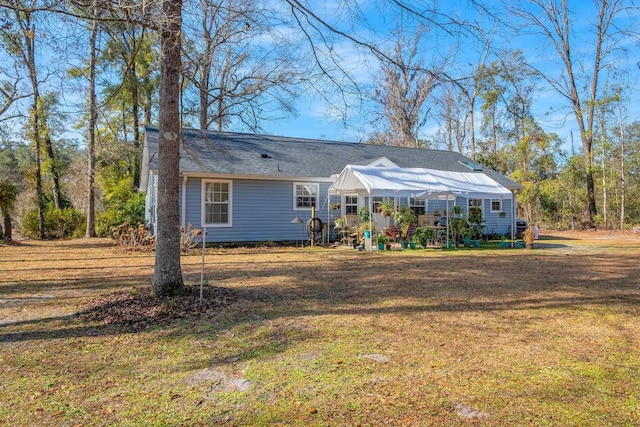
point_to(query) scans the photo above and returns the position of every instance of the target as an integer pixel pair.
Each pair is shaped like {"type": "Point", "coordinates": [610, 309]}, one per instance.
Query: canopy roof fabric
{"type": "Point", "coordinates": [416, 182]}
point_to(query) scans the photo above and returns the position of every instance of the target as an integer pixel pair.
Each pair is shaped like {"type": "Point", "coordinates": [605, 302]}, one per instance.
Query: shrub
{"type": "Point", "coordinates": [131, 211]}
{"type": "Point", "coordinates": [58, 223]}
{"type": "Point", "coordinates": [136, 238]}
{"type": "Point", "coordinates": [189, 238]}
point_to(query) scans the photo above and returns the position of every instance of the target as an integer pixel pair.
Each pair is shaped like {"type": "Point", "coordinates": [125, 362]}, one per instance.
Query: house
{"type": "Point", "coordinates": [249, 188]}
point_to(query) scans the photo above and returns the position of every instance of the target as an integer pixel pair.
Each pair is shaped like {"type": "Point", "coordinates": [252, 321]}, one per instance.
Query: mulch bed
{"type": "Point", "coordinates": [139, 308]}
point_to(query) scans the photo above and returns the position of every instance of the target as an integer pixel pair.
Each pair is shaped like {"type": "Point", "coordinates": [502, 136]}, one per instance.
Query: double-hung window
{"type": "Point", "coordinates": [216, 203]}
{"type": "Point", "coordinates": [418, 206]}
{"type": "Point", "coordinates": [496, 205]}
{"type": "Point", "coordinates": [475, 203]}
{"type": "Point", "coordinates": [305, 195]}
{"type": "Point", "coordinates": [351, 205]}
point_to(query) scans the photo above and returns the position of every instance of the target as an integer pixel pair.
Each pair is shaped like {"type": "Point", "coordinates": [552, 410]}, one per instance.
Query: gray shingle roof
{"type": "Point", "coordinates": [230, 153]}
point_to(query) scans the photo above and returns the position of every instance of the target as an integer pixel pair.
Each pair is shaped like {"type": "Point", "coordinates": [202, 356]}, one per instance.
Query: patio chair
{"type": "Point", "coordinates": [351, 223]}
{"type": "Point", "coordinates": [426, 220]}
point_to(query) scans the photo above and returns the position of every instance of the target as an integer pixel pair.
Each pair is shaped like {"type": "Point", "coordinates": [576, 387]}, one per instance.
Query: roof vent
{"type": "Point", "coordinates": [471, 165]}
{"type": "Point", "coordinates": [265, 156]}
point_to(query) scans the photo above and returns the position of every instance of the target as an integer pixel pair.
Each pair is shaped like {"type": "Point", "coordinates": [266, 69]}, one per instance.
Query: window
{"type": "Point", "coordinates": [474, 206]}
{"type": "Point", "coordinates": [418, 206]}
{"type": "Point", "coordinates": [375, 201]}
{"type": "Point", "coordinates": [216, 203]}
{"type": "Point", "coordinates": [305, 196]}
{"type": "Point", "coordinates": [351, 205]}
{"type": "Point", "coordinates": [496, 205]}
{"type": "Point", "coordinates": [475, 203]}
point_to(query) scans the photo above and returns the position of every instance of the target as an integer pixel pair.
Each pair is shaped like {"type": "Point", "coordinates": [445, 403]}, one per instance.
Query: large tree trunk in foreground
{"type": "Point", "coordinates": [167, 277]}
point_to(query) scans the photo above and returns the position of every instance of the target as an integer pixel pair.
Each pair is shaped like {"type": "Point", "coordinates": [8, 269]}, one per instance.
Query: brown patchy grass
{"type": "Point", "coordinates": [321, 336]}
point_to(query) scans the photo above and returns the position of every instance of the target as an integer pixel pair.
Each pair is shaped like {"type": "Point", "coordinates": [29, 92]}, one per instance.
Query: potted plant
{"type": "Point", "coordinates": [467, 234]}
{"type": "Point", "coordinates": [436, 212]}
{"type": "Point", "coordinates": [386, 207]}
{"type": "Point", "coordinates": [340, 222]}
{"type": "Point", "coordinates": [475, 210]}
{"type": "Point", "coordinates": [476, 225]}
{"type": "Point", "coordinates": [502, 214]}
{"type": "Point", "coordinates": [364, 231]}
{"type": "Point", "coordinates": [404, 217]}
{"type": "Point", "coordinates": [381, 241]}
{"type": "Point", "coordinates": [423, 236]}
{"type": "Point", "coordinates": [456, 225]}
{"type": "Point", "coordinates": [412, 242]}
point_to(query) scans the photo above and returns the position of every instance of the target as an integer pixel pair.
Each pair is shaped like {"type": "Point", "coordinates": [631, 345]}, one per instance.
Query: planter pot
{"type": "Point", "coordinates": [387, 247]}
{"type": "Point", "coordinates": [367, 234]}
{"type": "Point", "coordinates": [476, 243]}
{"type": "Point", "coordinates": [380, 246]}
{"type": "Point", "coordinates": [466, 241]}
{"type": "Point", "coordinates": [412, 245]}
{"type": "Point", "coordinates": [404, 245]}
{"type": "Point", "coordinates": [504, 244]}
{"type": "Point", "coordinates": [386, 213]}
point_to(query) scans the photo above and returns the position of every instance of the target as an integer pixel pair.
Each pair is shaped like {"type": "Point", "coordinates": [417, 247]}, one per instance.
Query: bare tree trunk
{"type": "Point", "coordinates": [55, 175]}
{"type": "Point", "coordinates": [623, 185]}
{"type": "Point", "coordinates": [29, 33]}
{"type": "Point", "coordinates": [135, 110]}
{"type": "Point", "coordinates": [7, 227]}
{"type": "Point", "coordinates": [167, 278]}
{"type": "Point", "coordinates": [553, 19]}
{"type": "Point", "coordinates": [91, 129]}
{"type": "Point", "coordinates": [605, 200]}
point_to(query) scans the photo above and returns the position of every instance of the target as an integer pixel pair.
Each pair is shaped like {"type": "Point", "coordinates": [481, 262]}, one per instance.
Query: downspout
{"type": "Point", "coordinates": [183, 211]}
{"type": "Point", "coordinates": [513, 216]}
{"type": "Point", "coordinates": [326, 236]}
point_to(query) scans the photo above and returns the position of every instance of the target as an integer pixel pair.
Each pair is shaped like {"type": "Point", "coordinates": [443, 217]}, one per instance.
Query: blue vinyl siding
{"type": "Point", "coordinates": [261, 211]}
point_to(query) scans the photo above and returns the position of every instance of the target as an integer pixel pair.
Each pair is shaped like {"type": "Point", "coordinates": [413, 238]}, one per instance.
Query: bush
{"type": "Point", "coordinates": [189, 238]}
{"type": "Point", "coordinates": [58, 223]}
{"type": "Point", "coordinates": [131, 211]}
{"type": "Point", "coordinates": [137, 238]}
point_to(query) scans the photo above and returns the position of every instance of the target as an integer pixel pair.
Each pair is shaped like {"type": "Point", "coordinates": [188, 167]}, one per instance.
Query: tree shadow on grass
{"type": "Point", "coordinates": [121, 312]}
{"type": "Point", "coordinates": [348, 284]}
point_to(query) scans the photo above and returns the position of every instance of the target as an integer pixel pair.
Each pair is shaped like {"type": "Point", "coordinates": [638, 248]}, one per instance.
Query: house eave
{"type": "Point", "coordinates": [212, 175]}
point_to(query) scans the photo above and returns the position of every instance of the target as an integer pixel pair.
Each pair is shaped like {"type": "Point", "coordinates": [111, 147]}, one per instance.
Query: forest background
{"type": "Point", "coordinates": [542, 91]}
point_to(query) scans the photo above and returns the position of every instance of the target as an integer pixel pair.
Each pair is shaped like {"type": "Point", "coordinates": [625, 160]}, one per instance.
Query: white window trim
{"type": "Point", "coordinates": [343, 207]}
{"type": "Point", "coordinates": [203, 189]}
{"type": "Point", "coordinates": [481, 205]}
{"type": "Point", "coordinates": [295, 204]}
{"type": "Point", "coordinates": [491, 205]}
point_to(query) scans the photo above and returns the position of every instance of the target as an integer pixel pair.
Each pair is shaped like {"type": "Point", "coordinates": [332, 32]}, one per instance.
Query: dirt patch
{"type": "Point", "coordinates": [138, 308]}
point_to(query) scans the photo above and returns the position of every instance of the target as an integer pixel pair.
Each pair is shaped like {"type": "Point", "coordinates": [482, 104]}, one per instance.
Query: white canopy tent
{"type": "Point", "coordinates": [419, 183]}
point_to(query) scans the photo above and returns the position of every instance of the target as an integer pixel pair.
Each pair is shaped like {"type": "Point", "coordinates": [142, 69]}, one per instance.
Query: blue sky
{"type": "Point", "coordinates": [552, 111]}
{"type": "Point", "coordinates": [315, 118]}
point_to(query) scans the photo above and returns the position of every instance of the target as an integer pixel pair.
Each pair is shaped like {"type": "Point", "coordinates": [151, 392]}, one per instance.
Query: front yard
{"type": "Point", "coordinates": [324, 336]}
